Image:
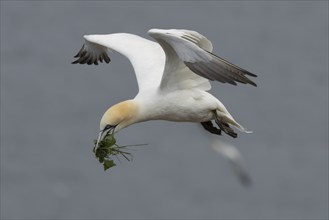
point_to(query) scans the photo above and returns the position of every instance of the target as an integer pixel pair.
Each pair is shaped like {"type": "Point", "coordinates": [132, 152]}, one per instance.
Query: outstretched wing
{"type": "Point", "coordinates": [147, 57]}
{"type": "Point", "coordinates": [189, 49]}
{"type": "Point", "coordinates": [232, 154]}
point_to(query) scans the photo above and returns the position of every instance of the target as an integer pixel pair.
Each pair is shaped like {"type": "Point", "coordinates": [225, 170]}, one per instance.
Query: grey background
{"type": "Point", "coordinates": [50, 112]}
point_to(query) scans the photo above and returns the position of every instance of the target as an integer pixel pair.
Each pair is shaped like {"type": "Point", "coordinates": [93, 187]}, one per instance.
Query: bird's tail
{"type": "Point", "coordinates": [224, 119]}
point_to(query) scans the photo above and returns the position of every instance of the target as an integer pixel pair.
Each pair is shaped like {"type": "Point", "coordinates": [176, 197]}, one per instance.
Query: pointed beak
{"type": "Point", "coordinates": [100, 137]}
{"type": "Point", "coordinates": [103, 133]}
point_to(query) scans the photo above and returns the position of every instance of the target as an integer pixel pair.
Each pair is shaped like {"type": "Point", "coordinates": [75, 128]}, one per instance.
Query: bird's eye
{"type": "Point", "coordinates": [107, 127]}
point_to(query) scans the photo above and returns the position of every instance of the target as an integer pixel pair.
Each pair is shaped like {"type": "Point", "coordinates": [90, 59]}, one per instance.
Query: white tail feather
{"type": "Point", "coordinates": [227, 117]}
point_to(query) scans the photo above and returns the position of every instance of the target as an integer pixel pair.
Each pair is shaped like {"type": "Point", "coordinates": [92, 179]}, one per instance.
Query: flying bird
{"type": "Point", "coordinates": [173, 76]}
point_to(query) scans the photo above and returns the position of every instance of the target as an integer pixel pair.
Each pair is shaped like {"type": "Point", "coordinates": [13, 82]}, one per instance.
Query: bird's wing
{"type": "Point", "coordinates": [147, 57]}
{"type": "Point", "coordinates": [232, 154]}
{"type": "Point", "coordinates": [190, 50]}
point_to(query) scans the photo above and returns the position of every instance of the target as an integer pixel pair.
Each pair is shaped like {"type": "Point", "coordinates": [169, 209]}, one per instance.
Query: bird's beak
{"type": "Point", "coordinates": [102, 135]}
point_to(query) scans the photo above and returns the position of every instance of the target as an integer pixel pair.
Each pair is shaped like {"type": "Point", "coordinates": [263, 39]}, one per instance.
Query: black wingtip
{"type": "Point", "coordinates": [249, 73]}
{"type": "Point", "coordinates": [253, 84]}
{"type": "Point", "coordinates": [83, 57]}
{"type": "Point", "coordinates": [80, 51]}
{"type": "Point", "coordinates": [245, 180]}
{"type": "Point", "coordinates": [106, 58]}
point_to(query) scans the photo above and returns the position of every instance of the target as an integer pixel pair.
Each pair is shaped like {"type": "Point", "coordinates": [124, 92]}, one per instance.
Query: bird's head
{"type": "Point", "coordinates": [118, 117]}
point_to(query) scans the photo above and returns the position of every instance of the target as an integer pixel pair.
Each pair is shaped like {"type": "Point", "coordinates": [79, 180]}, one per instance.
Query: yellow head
{"type": "Point", "coordinates": [118, 117]}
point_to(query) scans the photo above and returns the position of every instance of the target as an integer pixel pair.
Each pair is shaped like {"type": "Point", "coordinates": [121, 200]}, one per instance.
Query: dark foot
{"type": "Point", "coordinates": [226, 128]}
{"type": "Point", "coordinates": [211, 128]}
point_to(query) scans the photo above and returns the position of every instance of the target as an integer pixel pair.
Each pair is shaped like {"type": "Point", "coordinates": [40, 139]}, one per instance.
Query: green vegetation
{"type": "Point", "coordinates": [107, 148]}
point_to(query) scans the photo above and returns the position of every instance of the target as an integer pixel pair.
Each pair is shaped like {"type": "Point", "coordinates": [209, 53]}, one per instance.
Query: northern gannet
{"type": "Point", "coordinates": [173, 79]}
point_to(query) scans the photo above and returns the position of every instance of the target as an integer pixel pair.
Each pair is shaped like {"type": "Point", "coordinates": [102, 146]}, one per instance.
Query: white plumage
{"type": "Point", "coordinates": [173, 78]}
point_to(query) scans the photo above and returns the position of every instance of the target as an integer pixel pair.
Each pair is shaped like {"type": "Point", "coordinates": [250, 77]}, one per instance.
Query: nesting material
{"type": "Point", "coordinates": [107, 148]}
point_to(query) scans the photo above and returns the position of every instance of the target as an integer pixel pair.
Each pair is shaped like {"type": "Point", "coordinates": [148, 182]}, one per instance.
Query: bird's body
{"type": "Point", "coordinates": [180, 106]}
{"type": "Point", "coordinates": [173, 78]}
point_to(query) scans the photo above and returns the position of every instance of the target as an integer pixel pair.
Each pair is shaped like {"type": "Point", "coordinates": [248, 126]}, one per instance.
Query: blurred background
{"type": "Point", "coordinates": [50, 112]}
